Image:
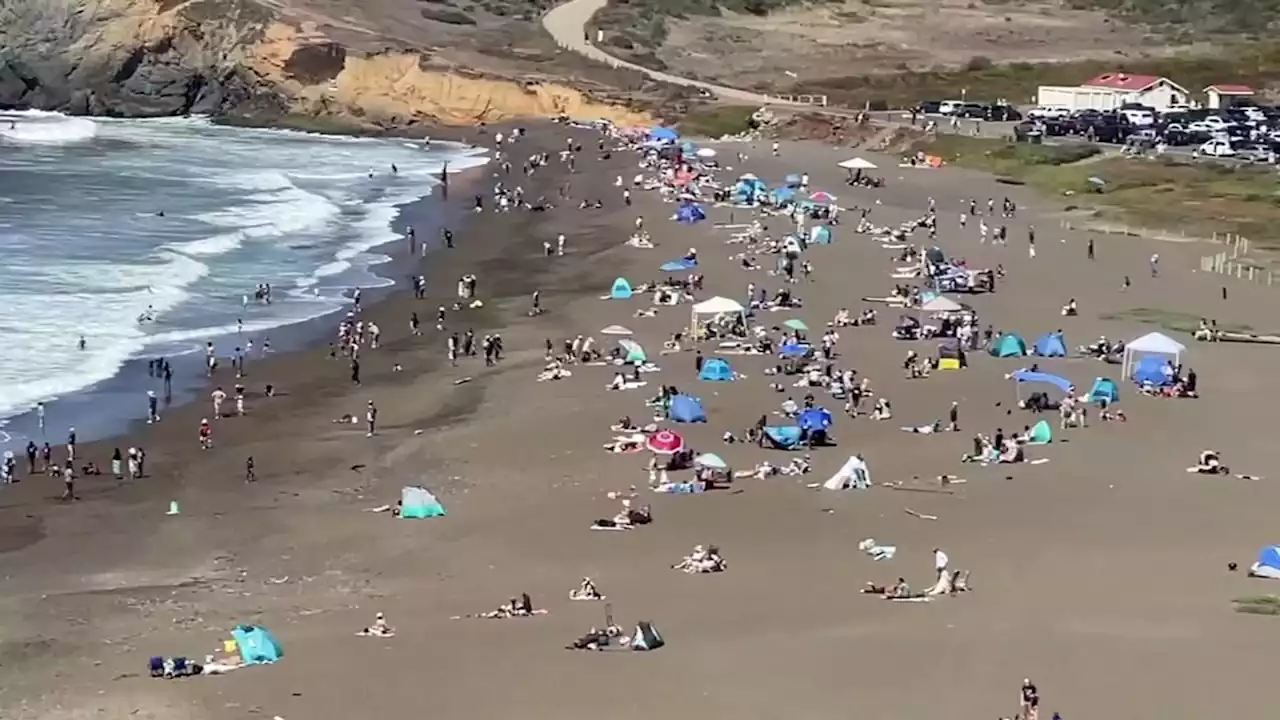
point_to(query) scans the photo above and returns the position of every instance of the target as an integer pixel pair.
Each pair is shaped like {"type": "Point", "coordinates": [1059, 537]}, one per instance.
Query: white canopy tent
{"type": "Point", "coordinates": [941, 304]}
{"type": "Point", "coordinates": [715, 307]}
{"type": "Point", "coordinates": [1151, 344]}
{"type": "Point", "coordinates": [857, 164]}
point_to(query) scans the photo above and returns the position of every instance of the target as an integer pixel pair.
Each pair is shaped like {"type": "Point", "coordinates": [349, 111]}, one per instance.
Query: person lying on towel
{"type": "Point", "coordinates": [516, 607]}
{"type": "Point", "coordinates": [595, 639]}
{"type": "Point", "coordinates": [380, 628]}
{"type": "Point", "coordinates": [702, 560]}
{"type": "Point", "coordinates": [627, 518]}
{"type": "Point", "coordinates": [1210, 463]}
{"type": "Point", "coordinates": [899, 589]}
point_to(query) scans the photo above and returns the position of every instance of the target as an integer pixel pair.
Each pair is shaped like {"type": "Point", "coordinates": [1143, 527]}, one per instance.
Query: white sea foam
{"type": "Point", "coordinates": [45, 128]}
{"type": "Point", "coordinates": [288, 208]}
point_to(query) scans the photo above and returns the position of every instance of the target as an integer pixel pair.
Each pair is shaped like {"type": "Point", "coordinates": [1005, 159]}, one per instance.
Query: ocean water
{"type": "Point", "coordinates": [85, 252]}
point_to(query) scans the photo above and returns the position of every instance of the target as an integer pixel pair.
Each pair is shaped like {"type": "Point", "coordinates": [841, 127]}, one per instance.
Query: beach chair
{"type": "Point", "coordinates": [157, 666]}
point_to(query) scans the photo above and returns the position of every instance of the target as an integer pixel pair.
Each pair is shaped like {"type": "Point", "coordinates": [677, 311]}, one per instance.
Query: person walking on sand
{"type": "Point", "coordinates": [249, 475]}
{"type": "Point", "coordinates": [40, 417]}
{"type": "Point", "coordinates": [1089, 250]}
{"type": "Point", "coordinates": [953, 417]}
{"type": "Point", "coordinates": [217, 396]}
{"type": "Point", "coordinates": [239, 400]}
{"type": "Point", "coordinates": [355, 371]}
{"type": "Point", "coordinates": [371, 419]}
{"type": "Point", "coordinates": [69, 482]}
{"type": "Point", "coordinates": [153, 408]}
{"type": "Point", "coordinates": [560, 244]}
{"type": "Point", "coordinates": [415, 325]}
{"type": "Point", "coordinates": [1029, 700]}
{"type": "Point", "coordinates": [117, 464]}
{"type": "Point", "coordinates": [940, 561]}
{"type": "Point", "coordinates": [206, 434]}
{"type": "Point", "coordinates": [1155, 265]}
{"type": "Point", "coordinates": [32, 453]}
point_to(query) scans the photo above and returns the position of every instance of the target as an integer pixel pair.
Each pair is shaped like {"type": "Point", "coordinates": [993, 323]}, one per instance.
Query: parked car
{"type": "Point", "coordinates": [949, 107]}
{"type": "Point", "coordinates": [1259, 154]}
{"type": "Point", "coordinates": [1216, 148]}
{"type": "Point", "coordinates": [972, 110]}
{"type": "Point", "coordinates": [1050, 112]}
{"type": "Point", "coordinates": [1001, 112]}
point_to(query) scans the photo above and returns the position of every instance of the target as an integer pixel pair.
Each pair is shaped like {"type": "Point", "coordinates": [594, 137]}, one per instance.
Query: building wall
{"type": "Point", "coordinates": [1078, 98]}
{"type": "Point", "coordinates": [1161, 95]}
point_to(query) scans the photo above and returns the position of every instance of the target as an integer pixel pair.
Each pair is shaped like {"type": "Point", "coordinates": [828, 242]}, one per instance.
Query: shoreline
{"type": "Point", "coordinates": [117, 406]}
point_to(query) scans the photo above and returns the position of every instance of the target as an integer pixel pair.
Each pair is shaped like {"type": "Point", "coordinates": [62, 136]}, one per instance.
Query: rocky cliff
{"type": "Point", "coordinates": [250, 60]}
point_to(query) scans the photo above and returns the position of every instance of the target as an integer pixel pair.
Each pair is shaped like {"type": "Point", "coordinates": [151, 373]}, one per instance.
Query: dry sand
{"type": "Point", "coordinates": [1101, 575]}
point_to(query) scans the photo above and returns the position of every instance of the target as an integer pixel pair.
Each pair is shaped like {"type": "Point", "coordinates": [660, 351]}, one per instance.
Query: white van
{"type": "Point", "coordinates": [950, 107]}
{"type": "Point", "coordinates": [1049, 112]}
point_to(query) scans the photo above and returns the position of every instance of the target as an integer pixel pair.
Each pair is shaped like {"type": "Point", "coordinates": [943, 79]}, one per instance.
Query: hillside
{"type": "Point", "coordinates": [368, 65]}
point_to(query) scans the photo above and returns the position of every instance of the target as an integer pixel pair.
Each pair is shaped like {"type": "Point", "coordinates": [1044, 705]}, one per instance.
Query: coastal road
{"type": "Point", "coordinates": [567, 23]}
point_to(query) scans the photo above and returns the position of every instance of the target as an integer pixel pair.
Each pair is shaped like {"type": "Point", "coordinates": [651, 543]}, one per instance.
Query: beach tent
{"type": "Point", "coordinates": [857, 164]}
{"type": "Point", "coordinates": [646, 637]}
{"type": "Point", "coordinates": [418, 502]}
{"type": "Point", "coordinates": [783, 437]}
{"type": "Point", "coordinates": [1268, 564]}
{"type": "Point", "coordinates": [257, 645]}
{"type": "Point", "coordinates": [663, 134]}
{"type": "Point", "coordinates": [686, 409]}
{"type": "Point", "coordinates": [854, 474]}
{"type": "Point", "coordinates": [951, 355]}
{"type": "Point", "coordinates": [782, 195]}
{"type": "Point", "coordinates": [716, 370]}
{"type": "Point", "coordinates": [1104, 390]}
{"type": "Point", "coordinates": [795, 349]}
{"type": "Point", "coordinates": [940, 304]}
{"type": "Point", "coordinates": [1151, 344]}
{"type": "Point", "coordinates": [691, 213]}
{"type": "Point", "coordinates": [1151, 369]}
{"type": "Point", "coordinates": [635, 353]}
{"type": "Point", "coordinates": [1022, 377]}
{"type": "Point", "coordinates": [713, 307]}
{"type": "Point", "coordinates": [793, 180]}
{"type": "Point", "coordinates": [1009, 345]}
{"type": "Point", "coordinates": [814, 418]}
{"type": "Point", "coordinates": [1051, 344]}
{"type": "Point", "coordinates": [711, 461]}
{"type": "Point", "coordinates": [748, 188]}
{"type": "Point", "coordinates": [615, 330]}
{"type": "Point", "coordinates": [1041, 433]}
{"type": "Point", "coordinates": [621, 290]}
{"type": "Point", "coordinates": [820, 235]}
{"type": "Point", "coordinates": [678, 265]}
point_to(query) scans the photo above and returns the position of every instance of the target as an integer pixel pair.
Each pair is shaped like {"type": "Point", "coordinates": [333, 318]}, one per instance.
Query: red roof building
{"type": "Point", "coordinates": [1231, 89]}
{"type": "Point", "coordinates": [1220, 96]}
{"type": "Point", "coordinates": [1122, 82]}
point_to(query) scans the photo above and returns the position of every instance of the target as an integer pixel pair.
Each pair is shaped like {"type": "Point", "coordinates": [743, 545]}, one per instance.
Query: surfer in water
{"type": "Point", "coordinates": [394, 170]}
{"type": "Point", "coordinates": [82, 344]}
{"type": "Point", "coordinates": [147, 316]}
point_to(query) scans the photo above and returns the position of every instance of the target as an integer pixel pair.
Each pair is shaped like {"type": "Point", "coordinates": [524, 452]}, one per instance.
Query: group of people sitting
{"type": "Point", "coordinates": [626, 519]}
{"type": "Point", "coordinates": [950, 582]}
{"type": "Point", "coordinates": [843, 319]}
{"type": "Point", "coordinates": [702, 560]}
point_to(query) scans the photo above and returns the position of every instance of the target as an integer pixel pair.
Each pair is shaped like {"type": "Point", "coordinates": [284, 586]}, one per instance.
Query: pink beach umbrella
{"type": "Point", "coordinates": [665, 442]}
{"type": "Point", "coordinates": [822, 198]}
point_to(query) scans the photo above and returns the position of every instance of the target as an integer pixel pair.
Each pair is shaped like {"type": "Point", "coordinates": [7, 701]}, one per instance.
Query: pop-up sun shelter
{"type": "Point", "coordinates": [716, 370]}
{"type": "Point", "coordinates": [1041, 433]}
{"type": "Point", "coordinates": [820, 235]}
{"type": "Point", "coordinates": [256, 644]}
{"type": "Point", "coordinates": [621, 290]}
{"type": "Point", "coordinates": [1051, 344]}
{"type": "Point", "coordinates": [417, 503]}
{"type": "Point", "coordinates": [664, 134]}
{"type": "Point", "coordinates": [1104, 390]}
{"type": "Point", "coordinates": [854, 474]}
{"type": "Point", "coordinates": [686, 409]}
{"type": "Point", "coordinates": [1024, 377]}
{"type": "Point", "coordinates": [1009, 345]}
{"type": "Point", "coordinates": [1151, 345]}
{"type": "Point", "coordinates": [783, 437]}
{"type": "Point", "coordinates": [680, 265]}
{"type": "Point", "coordinates": [635, 352]}
{"type": "Point", "coordinates": [690, 213]}
{"type": "Point", "coordinates": [1268, 563]}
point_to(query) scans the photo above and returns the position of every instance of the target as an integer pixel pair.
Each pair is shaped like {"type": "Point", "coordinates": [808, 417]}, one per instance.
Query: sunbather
{"type": "Point", "coordinates": [1210, 463]}
{"type": "Point", "coordinates": [516, 607]}
{"type": "Point", "coordinates": [702, 560]}
{"type": "Point", "coordinates": [379, 628]}
{"type": "Point", "coordinates": [586, 590]}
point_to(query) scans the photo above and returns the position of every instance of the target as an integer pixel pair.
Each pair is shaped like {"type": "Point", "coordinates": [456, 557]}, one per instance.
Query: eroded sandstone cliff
{"type": "Point", "coordinates": [248, 59]}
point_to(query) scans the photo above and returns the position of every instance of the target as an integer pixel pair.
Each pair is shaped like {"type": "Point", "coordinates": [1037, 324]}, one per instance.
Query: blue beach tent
{"type": "Point", "coordinates": [1268, 564]}
{"type": "Point", "coordinates": [257, 645]}
{"type": "Point", "coordinates": [621, 290]}
{"type": "Point", "coordinates": [663, 134]}
{"type": "Point", "coordinates": [1027, 376]}
{"type": "Point", "coordinates": [814, 418]}
{"type": "Point", "coordinates": [716, 370]}
{"type": "Point", "coordinates": [782, 195]}
{"type": "Point", "coordinates": [794, 349]}
{"type": "Point", "coordinates": [1104, 389]}
{"type": "Point", "coordinates": [417, 503]}
{"type": "Point", "coordinates": [820, 235]}
{"type": "Point", "coordinates": [1150, 369]}
{"type": "Point", "coordinates": [690, 213]}
{"type": "Point", "coordinates": [1051, 344]}
{"type": "Point", "coordinates": [686, 409]}
{"type": "Point", "coordinates": [783, 437]}
{"type": "Point", "coordinates": [1009, 345]}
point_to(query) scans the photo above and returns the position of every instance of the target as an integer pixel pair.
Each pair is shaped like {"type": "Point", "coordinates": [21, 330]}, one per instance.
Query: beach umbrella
{"type": "Point", "coordinates": [705, 153]}
{"type": "Point", "coordinates": [857, 164]}
{"type": "Point", "coordinates": [822, 198]}
{"type": "Point", "coordinates": [748, 176]}
{"type": "Point", "coordinates": [795, 324]}
{"type": "Point", "coordinates": [664, 442]}
{"type": "Point", "coordinates": [711, 460]}
{"type": "Point", "coordinates": [615, 330]}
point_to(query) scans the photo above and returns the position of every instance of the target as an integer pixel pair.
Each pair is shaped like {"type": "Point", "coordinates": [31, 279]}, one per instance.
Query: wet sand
{"type": "Point", "coordinates": [1101, 574]}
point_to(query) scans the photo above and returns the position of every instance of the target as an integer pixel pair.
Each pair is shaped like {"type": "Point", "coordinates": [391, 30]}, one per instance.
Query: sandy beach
{"type": "Point", "coordinates": [1101, 574]}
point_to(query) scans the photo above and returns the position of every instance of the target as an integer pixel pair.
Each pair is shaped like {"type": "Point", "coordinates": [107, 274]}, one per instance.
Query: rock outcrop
{"type": "Point", "coordinates": [251, 61]}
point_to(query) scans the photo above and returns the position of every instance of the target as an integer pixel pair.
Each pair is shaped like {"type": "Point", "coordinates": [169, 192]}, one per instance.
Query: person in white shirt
{"type": "Point", "coordinates": [940, 561]}
{"type": "Point", "coordinates": [218, 395]}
